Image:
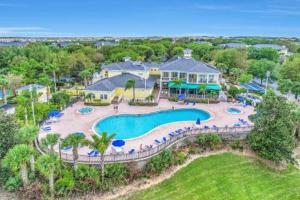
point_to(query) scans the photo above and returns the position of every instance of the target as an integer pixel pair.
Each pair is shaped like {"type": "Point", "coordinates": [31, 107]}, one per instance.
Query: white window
{"type": "Point", "coordinates": [182, 76]}
{"type": "Point", "coordinates": [202, 78]}
{"type": "Point", "coordinates": [174, 75]}
{"type": "Point", "coordinates": [211, 78]}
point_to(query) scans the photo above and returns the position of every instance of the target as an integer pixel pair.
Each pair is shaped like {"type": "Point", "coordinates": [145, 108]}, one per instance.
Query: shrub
{"type": "Point", "coordinates": [206, 101]}
{"type": "Point", "coordinates": [160, 162]}
{"type": "Point", "coordinates": [236, 145]}
{"type": "Point", "coordinates": [88, 178]}
{"type": "Point", "coordinates": [97, 103]}
{"type": "Point", "coordinates": [209, 140]}
{"type": "Point", "coordinates": [13, 183]}
{"type": "Point", "coordinates": [233, 91]}
{"type": "Point", "coordinates": [117, 173]}
{"type": "Point", "coordinates": [141, 103]}
{"type": "Point", "coordinates": [66, 184]}
{"type": "Point", "coordinates": [173, 99]}
{"type": "Point", "coordinates": [180, 157]}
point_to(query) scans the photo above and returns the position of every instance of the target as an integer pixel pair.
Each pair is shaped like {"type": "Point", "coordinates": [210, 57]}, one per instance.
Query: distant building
{"type": "Point", "coordinates": [13, 43]}
{"type": "Point", "coordinates": [105, 43]}
{"type": "Point", "coordinates": [8, 108]}
{"type": "Point", "coordinates": [110, 86]}
{"type": "Point", "coordinates": [283, 50]}
{"type": "Point", "coordinates": [40, 89]}
{"type": "Point", "coordinates": [234, 45]}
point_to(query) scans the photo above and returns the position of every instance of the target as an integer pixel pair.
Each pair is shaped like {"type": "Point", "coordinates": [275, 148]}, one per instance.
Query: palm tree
{"type": "Point", "coordinates": [85, 74]}
{"type": "Point", "coordinates": [150, 98]}
{"type": "Point", "coordinates": [45, 80]}
{"type": "Point", "coordinates": [131, 84]}
{"type": "Point", "coordinates": [90, 97]}
{"type": "Point", "coordinates": [3, 85]}
{"type": "Point", "coordinates": [17, 159]}
{"type": "Point", "coordinates": [24, 102]}
{"type": "Point", "coordinates": [74, 140]}
{"type": "Point", "coordinates": [48, 165]}
{"type": "Point", "coordinates": [50, 141]}
{"type": "Point", "coordinates": [178, 83]}
{"type": "Point", "coordinates": [27, 135]}
{"type": "Point", "coordinates": [101, 144]}
{"type": "Point", "coordinates": [202, 89]}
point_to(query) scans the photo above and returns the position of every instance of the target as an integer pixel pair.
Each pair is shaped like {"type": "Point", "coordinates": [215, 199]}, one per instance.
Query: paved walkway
{"type": "Point", "coordinates": [72, 121]}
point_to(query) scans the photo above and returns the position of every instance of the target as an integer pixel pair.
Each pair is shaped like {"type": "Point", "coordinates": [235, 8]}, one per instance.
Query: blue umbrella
{"type": "Point", "coordinates": [181, 97]}
{"type": "Point", "coordinates": [54, 113]}
{"type": "Point", "coordinates": [198, 122]}
{"type": "Point", "coordinates": [118, 143]}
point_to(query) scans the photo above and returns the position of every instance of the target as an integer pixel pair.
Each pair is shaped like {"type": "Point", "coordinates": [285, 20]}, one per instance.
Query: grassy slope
{"type": "Point", "coordinates": [223, 177]}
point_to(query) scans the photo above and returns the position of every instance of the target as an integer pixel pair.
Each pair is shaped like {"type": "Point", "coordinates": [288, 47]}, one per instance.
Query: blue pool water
{"type": "Point", "coordinates": [85, 110]}
{"type": "Point", "coordinates": [132, 126]}
{"type": "Point", "coordinates": [233, 111]}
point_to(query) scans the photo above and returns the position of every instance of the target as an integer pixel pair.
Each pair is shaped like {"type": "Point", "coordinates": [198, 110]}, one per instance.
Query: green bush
{"type": "Point", "coordinates": [180, 157]}
{"type": "Point", "coordinates": [64, 185]}
{"type": "Point", "coordinates": [96, 103]}
{"type": "Point", "coordinates": [236, 145]}
{"type": "Point", "coordinates": [87, 178]}
{"type": "Point", "coordinates": [160, 162]}
{"type": "Point", "coordinates": [205, 101]}
{"type": "Point", "coordinates": [117, 173]}
{"type": "Point", "coordinates": [13, 183]}
{"type": "Point", "coordinates": [140, 103]}
{"type": "Point", "coordinates": [233, 91]}
{"type": "Point", "coordinates": [209, 140]}
{"type": "Point", "coordinates": [173, 99]}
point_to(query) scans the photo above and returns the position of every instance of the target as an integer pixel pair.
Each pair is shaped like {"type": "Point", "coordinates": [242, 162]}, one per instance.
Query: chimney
{"type": "Point", "coordinates": [126, 59]}
{"type": "Point", "coordinates": [187, 53]}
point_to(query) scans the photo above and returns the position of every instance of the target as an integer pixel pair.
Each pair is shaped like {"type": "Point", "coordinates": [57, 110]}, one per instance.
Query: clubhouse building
{"type": "Point", "coordinates": [155, 79]}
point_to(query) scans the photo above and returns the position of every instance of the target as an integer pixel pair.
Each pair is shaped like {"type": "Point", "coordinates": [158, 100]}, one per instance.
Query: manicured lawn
{"type": "Point", "coordinates": [223, 177]}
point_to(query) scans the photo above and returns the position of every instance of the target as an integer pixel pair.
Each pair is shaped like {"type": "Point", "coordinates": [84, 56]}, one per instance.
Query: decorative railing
{"type": "Point", "coordinates": [224, 132]}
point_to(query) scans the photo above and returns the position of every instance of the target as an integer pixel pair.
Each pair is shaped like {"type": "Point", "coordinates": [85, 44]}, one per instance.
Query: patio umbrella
{"type": "Point", "coordinates": [53, 113]}
{"type": "Point", "coordinates": [181, 97]}
{"type": "Point", "coordinates": [198, 122]}
{"type": "Point", "coordinates": [118, 143]}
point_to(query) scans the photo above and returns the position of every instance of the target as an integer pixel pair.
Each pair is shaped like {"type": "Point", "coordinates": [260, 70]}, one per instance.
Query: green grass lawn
{"type": "Point", "coordinates": [223, 177]}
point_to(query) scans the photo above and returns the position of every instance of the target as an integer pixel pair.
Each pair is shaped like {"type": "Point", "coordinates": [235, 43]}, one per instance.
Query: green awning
{"type": "Point", "coordinates": [171, 84]}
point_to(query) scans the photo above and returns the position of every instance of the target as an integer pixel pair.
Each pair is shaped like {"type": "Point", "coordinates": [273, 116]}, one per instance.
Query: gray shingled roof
{"type": "Point", "coordinates": [34, 86]}
{"type": "Point", "coordinates": [109, 84]}
{"type": "Point", "coordinates": [127, 65]}
{"type": "Point", "coordinates": [273, 46]}
{"type": "Point", "coordinates": [188, 65]}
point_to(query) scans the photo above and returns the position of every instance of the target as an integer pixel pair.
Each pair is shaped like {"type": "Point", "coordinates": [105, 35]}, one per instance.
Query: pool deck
{"type": "Point", "coordinates": [72, 121]}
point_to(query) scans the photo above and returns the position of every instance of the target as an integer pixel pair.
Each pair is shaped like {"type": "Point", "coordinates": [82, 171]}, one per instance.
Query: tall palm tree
{"type": "Point", "coordinates": [130, 84]}
{"type": "Point", "coordinates": [101, 144]}
{"type": "Point", "coordinates": [202, 89]}
{"type": "Point", "coordinates": [50, 141]}
{"type": "Point", "coordinates": [48, 165]}
{"type": "Point", "coordinates": [24, 102]}
{"type": "Point", "coordinates": [150, 98]}
{"type": "Point", "coordinates": [178, 83]}
{"type": "Point", "coordinates": [17, 159]}
{"type": "Point", "coordinates": [3, 85]}
{"type": "Point", "coordinates": [74, 140]}
{"type": "Point", "coordinates": [85, 74]}
{"type": "Point", "coordinates": [27, 135]}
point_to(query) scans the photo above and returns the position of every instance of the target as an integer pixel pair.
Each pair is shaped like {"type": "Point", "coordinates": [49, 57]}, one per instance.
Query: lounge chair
{"type": "Point", "coordinates": [164, 139]}
{"type": "Point", "coordinates": [67, 148]}
{"type": "Point", "coordinates": [194, 103]}
{"type": "Point", "coordinates": [131, 151]}
{"type": "Point", "coordinates": [206, 127]}
{"type": "Point", "coordinates": [215, 127]}
{"type": "Point", "coordinates": [157, 141]}
{"type": "Point", "coordinates": [237, 125]}
{"type": "Point", "coordinates": [46, 129]}
{"type": "Point", "coordinates": [187, 103]}
{"type": "Point", "coordinates": [172, 134]}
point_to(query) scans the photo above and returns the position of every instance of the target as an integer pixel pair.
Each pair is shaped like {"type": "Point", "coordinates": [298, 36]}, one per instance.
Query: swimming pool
{"type": "Point", "coordinates": [85, 110]}
{"type": "Point", "coordinates": [132, 126]}
{"type": "Point", "coordinates": [233, 111]}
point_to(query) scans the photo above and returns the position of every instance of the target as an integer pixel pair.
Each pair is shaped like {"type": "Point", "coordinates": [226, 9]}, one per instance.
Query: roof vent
{"type": "Point", "coordinates": [187, 53]}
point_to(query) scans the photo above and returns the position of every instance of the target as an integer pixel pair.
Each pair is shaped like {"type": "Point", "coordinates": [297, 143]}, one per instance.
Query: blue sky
{"type": "Point", "coordinates": [149, 17]}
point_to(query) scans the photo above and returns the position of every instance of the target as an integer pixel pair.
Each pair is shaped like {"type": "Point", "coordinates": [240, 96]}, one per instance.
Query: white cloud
{"type": "Point", "coordinates": [30, 31]}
